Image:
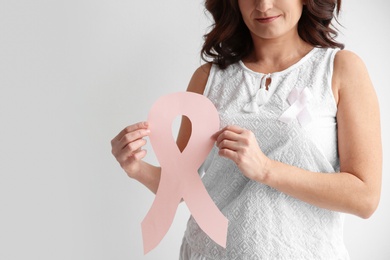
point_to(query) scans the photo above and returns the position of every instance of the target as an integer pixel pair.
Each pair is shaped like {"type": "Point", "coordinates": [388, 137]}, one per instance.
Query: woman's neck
{"type": "Point", "coordinates": [271, 55]}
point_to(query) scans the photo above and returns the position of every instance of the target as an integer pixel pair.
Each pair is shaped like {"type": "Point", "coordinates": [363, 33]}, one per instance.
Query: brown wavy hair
{"type": "Point", "coordinates": [229, 39]}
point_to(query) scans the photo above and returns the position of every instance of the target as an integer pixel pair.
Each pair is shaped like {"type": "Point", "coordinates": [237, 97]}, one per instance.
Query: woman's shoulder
{"type": "Point", "coordinates": [347, 57]}
{"type": "Point", "coordinates": [199, 79]}
{"type": "Point", "coordinates": [348, 62]}
{"type": "Point", "coordinates": [349, 68]}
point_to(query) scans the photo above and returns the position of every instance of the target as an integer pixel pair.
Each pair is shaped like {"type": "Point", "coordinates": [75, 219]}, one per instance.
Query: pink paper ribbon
{"type": "Point", "coordinates": [179, 176]}
{"type": "Point", "coordinates": [298, 100]}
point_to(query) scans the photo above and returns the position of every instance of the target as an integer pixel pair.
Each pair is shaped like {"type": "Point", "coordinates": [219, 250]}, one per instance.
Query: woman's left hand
{"type": "Point", "coordinates": [240, 146]}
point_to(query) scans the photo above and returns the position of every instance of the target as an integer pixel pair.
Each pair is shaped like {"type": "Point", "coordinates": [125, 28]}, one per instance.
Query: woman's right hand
{"type": "Point", "coordinates": [127, 148]}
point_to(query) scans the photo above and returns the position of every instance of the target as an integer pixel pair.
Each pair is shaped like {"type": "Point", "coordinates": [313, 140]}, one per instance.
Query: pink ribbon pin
{"type": "Point", "coordinates": [179, 176]}
{"type": "Point", "coordinates": [298, 100]}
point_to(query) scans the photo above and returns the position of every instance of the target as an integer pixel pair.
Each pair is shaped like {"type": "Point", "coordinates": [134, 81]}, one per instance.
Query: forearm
{"type": "Point", "coordinates": [342, 192]}
{"type": "Point", "coordinates": [149, 176]}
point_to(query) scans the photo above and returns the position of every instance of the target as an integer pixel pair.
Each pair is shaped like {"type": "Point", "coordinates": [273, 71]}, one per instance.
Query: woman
{"type": "Point", "coordinates": [299, 143]}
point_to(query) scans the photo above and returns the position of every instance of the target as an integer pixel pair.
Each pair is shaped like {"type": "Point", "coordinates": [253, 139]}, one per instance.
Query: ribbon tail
{"type": "Point", "coordinates": [160, 216]}
{"type": "Point", "coordinates": [304, 117]}
{"type": "Point", "coordinates": [209, 218]}
{"type": "Point", "coordinates": [289, 115]}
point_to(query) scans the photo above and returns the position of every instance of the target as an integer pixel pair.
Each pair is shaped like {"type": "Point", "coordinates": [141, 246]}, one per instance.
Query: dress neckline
{"type": "Point", "coordinates": [293, 66]}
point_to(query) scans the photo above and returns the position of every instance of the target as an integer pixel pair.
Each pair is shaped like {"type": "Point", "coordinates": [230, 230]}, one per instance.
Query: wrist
{"type": "Point", "coordinates": [141, 174]}
{"type": "Point", "coordinates": [267, 171]}
{"type": "Point", "coordinates": [149, 176]}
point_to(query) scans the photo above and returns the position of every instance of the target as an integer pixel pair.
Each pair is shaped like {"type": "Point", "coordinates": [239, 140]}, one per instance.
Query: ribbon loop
{"type": "Point", "coordinates": [179, 177]}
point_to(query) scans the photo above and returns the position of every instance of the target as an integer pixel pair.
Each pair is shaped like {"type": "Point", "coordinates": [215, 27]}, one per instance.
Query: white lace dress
{"type": "Point", "coordinates": [263, 222]}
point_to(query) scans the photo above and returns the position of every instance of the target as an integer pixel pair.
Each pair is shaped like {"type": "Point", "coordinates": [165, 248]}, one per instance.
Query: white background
{"type": "Point", "coordinates": [73, 74]}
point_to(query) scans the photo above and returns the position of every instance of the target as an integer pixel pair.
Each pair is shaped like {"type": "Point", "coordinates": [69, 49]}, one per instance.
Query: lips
{"type": "Point", "coordinates": [267, 19]}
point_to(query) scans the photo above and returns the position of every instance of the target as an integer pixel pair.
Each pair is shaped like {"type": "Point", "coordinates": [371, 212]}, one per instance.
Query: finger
{"type": "Point", "coordinates": [137, 156]}
{"type": "Point", "coordinates": [130, 149]}
{"type": "Point", "coordinates": [232, 128]}
{"type": "Point", "coordinates": [140, 155]}
{"type": "Point", "coordinates": [118, 146]}
{"type": "Point", "coordinates": [130, 164]}
{"type": "Point", "coordinates": [235, 129]}
{"type": "Point", "coordinates": [227, 135]}
{"type": "Point", "coordinates": [135, 146]}
{"type": "Point", "coordinates": [228, 154]}
{"type": "Point", "coordinates": [129, 129]}
{"type": "Point", "coordinates": [228, 144]}
{"type": "Point", "coordinates": [132, 137]}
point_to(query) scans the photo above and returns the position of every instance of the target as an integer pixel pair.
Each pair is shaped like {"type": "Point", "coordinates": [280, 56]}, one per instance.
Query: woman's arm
{"type": "Point", "coordinates": [356, 189]}
{"type": "Point", "coordinates": [127, 149]}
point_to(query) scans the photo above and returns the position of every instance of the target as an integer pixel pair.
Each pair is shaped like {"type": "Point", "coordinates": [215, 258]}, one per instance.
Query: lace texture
{"type": "Point", "coordinates": [263, 222]}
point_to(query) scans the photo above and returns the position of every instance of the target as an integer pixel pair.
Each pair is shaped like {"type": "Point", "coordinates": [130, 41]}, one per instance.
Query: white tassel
{"type": "Point", "coordinates": [260, 98]}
